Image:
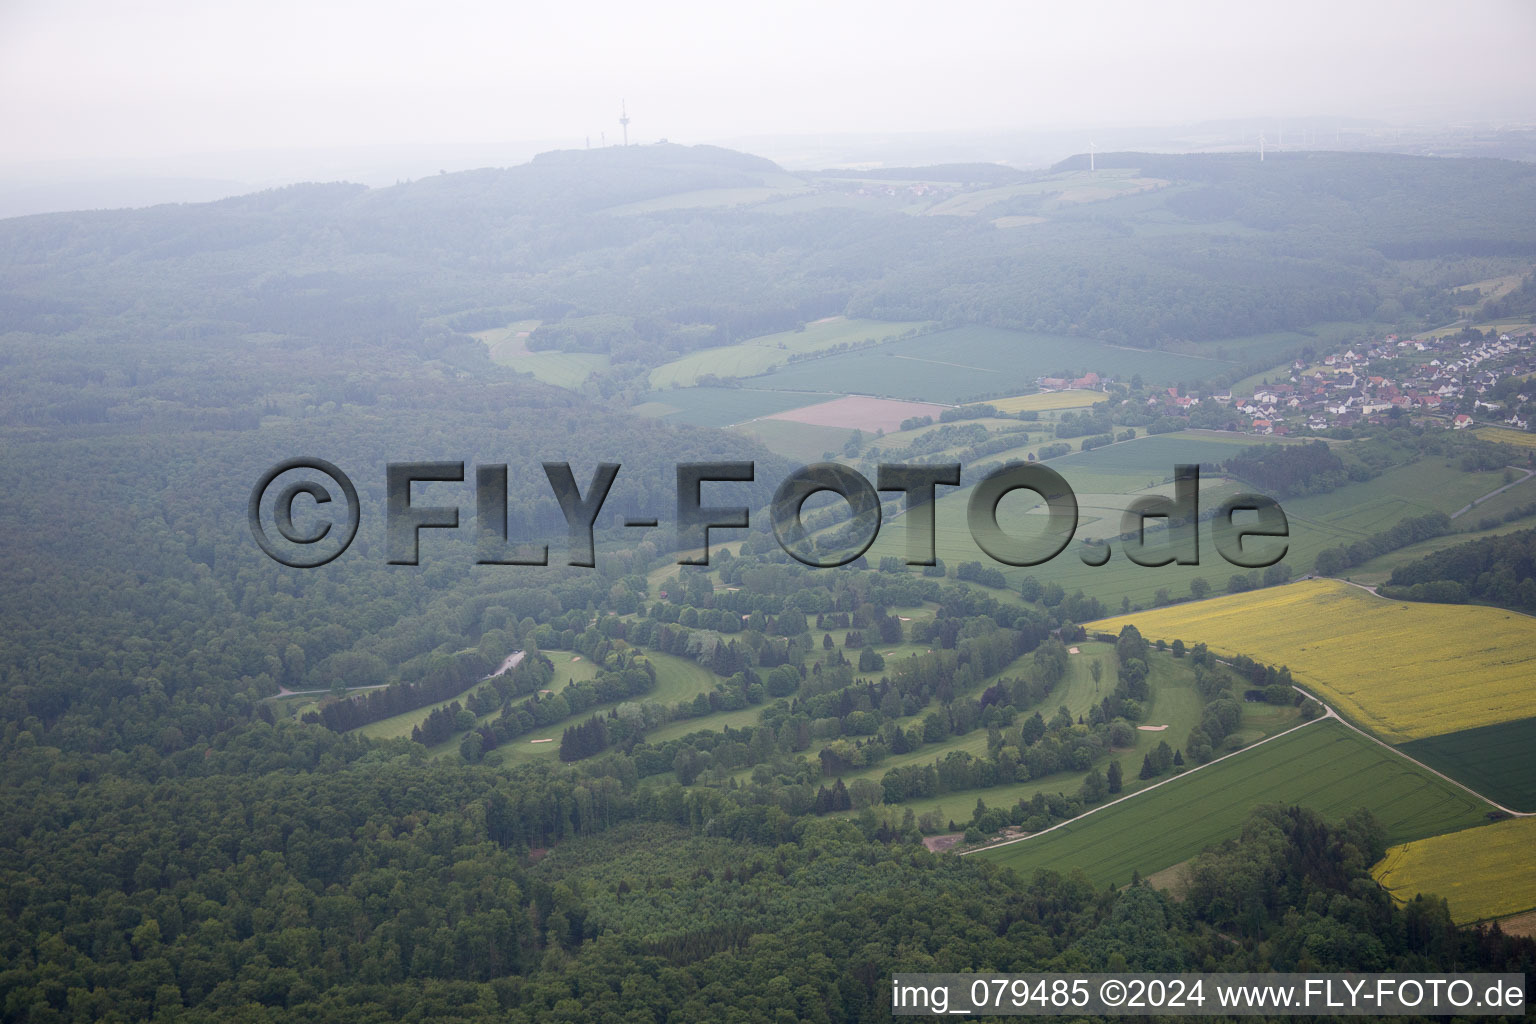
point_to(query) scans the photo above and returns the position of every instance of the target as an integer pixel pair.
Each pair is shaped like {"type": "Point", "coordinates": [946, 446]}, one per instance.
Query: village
{"type": "Point", "coordinates": [1455, 381]}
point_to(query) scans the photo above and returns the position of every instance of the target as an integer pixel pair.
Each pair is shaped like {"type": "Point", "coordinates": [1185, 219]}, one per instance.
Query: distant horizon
{"type": "Point", "coordinates": [77, 184]}
{"type": "Point", "coordinates": [85, 79]}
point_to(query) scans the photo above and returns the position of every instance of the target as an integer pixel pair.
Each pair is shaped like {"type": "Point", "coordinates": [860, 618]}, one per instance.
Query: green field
{"type": "Point", "coordinates": [562, 369]}
{"type": "Point", "coordinates": [508, 347]}
{"type": "Point", "coordinates": [721, 407]}
{"type": "Point", "coordinates": [1104, 477]}
{"type": "Point", "coordinates": [758, 355]}
{"type": "Point", "coordinates": [1134, 465]}
{"type": "Point", "coordinates": [970, 363]}
{"type": "Point", "coordinates": [1379, 569]}
{"type": "Point", "coordinates": [1324, 766]}
{"type": "Point", "coordinates": [1104, 480]}
{"type": "Point", "coordinates": [1495, 760]}
{"type": "Point", "coordinates": [1322, 337]}
{"type": "Point", "coordinates": [805, 442]}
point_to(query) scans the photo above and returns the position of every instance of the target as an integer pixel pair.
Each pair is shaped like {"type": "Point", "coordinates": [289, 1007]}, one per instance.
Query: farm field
{"type": "Point", "coordinates": [1493, 288]}
{"type": "Point", "coordinates": [972, 363]}
{"type": "Point", "coordinates": [1506, 435]}
{"type": "Point", "coordinates": [1510, 324]}
{"type": "Point", "coordinates": [1105, 478]}
{"type": "Point", "coordinates": [1495, 760]}
{"type": "Point", "coordinates": [1144, 462]}
{"type": "Point", "coordinates": [1068, 187]}
{"type": "Point", "coordinates": [722, 407]}
{"type": "Point", "coordinates": [1518, 499]}
{"type": "Point", "coordinates": [1404, 670]}
{"type": "Point", "coordinates": [1481, 872]}
{"type": "Point", "coordinates": [508, 347]}
{"type": "Point", "coordinates": [507, 342]}
{"type": "Point", "coordinates": [758, 355]}
{"type": "Point", "coordinates": [806, 442]}
{"type": "Point", "coordinates": [1047, 400]}
{"type": "Point", "coordinates": [1359, 510]}
{"type": "Point", "coordinates": [1322, 337]}
{"type": "Point", "coordinates": [857, 412]}
{"type": "Point", "coordinates": [1323, 766]}
{"type": "Point", "coordinates": [1379, 569]}
{"type": "Point", "coordinates": [562, 369]}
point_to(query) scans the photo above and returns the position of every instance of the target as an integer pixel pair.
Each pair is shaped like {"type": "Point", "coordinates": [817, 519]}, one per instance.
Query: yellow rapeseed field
{"type": "Point", "coordinates": [1403, 669]}
{"type": "Point", "coordinates": [1047, 400]}
{"type": "Point", "coordinates": [1483, 872]}
{"type": "Point", "coordinates": [1503, 435]}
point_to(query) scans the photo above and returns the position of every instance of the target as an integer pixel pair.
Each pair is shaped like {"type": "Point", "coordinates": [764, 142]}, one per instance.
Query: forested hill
{"type": "Point", "coordinates": [180, 839]}
{"type": "Point", "coordinates": [696, 246]}
{"type": "Point", "coordinates": [1403, 207]}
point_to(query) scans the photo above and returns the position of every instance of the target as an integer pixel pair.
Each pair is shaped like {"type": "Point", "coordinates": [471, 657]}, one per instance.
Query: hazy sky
{"type": "Point", "coordinates": [151, 78]}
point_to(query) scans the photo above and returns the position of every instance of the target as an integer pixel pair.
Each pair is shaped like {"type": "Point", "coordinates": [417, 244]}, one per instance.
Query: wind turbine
{"type": "Point", "coordinates": [1261, 147]}
{"type": "Point", "coordinates": [1090, 154]}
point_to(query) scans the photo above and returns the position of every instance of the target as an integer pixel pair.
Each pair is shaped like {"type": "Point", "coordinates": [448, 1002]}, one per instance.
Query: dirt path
{"type": "Point", "coordinates": [1495, 493]}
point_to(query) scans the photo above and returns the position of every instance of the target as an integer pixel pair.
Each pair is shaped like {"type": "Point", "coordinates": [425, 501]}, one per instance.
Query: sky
{"type": "Point", "coordinates": [133, 79]}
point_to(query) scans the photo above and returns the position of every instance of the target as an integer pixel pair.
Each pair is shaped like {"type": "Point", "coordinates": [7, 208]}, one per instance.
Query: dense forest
{"type": "Point", "coordinates": [177, 846]}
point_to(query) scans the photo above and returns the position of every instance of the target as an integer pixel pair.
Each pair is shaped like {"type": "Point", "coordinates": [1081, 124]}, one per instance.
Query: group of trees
{"type": "Point", "coordinates": [1289, 470]}
{"type": "Point", "coordinates": [1333, 561]}
{"type": "Point", "coordinates": [1494, 570]}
